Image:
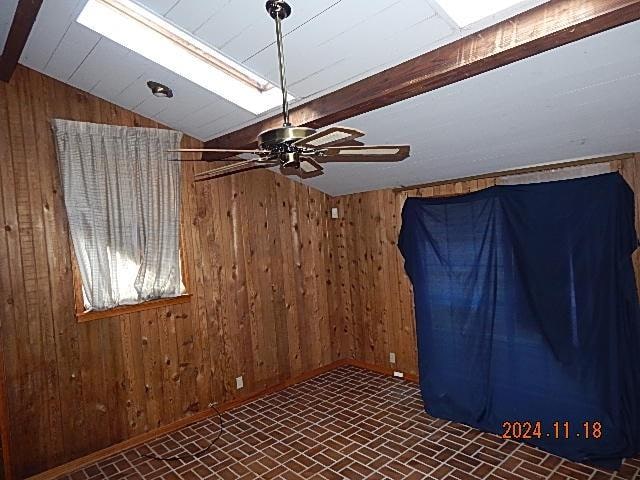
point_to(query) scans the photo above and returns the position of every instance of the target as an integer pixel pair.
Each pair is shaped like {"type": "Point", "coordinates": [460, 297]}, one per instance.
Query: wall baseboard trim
{"type": "Point", "coordinates": [138, 440]}
{"type": "Point", "coordinates": [383, 370]}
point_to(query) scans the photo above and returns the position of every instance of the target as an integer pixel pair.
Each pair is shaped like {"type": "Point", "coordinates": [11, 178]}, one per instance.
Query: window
{"type": "Point", "coordinates": [122, 197]}
{"type": "Point", "coordinates": [466, 12]}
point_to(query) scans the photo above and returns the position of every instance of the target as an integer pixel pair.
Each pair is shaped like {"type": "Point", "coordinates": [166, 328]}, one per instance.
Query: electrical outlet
{"type": "Point", "coordinates": [398, 374]}
{"type": "Point", "coordinates": [392, 357]}
{"type": "Point", "coordinates": [239, 382]}
{"type": "Point", "coordinates": [334, 213]}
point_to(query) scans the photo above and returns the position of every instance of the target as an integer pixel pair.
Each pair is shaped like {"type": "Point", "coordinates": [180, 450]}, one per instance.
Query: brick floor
{"type": "Point", "coordinates": [349, 423]}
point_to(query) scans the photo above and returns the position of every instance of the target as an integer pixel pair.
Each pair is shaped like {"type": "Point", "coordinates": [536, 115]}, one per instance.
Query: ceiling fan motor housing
{"type": "Point", "coordinates": [280, 142]}
{"type": "Point", "coordinates": [283, 135]}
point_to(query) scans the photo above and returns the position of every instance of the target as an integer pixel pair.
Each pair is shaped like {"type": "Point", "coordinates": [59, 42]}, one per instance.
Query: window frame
{"type": "Point", "coordinates": [83, 315]}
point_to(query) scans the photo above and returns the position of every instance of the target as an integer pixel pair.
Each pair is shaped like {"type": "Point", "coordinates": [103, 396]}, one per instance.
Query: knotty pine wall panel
{"type": "Point", "coordinates": [376, 295]}
{"type": "Point", "coordinates": [256, 250]}
{"type": "Point", "coordinates": [279, 288]}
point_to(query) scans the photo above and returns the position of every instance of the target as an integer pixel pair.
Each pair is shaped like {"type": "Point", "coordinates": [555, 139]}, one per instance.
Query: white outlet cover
{"type": "Point", "coordinates": [334, 213]}
{"type": "Point", "coordinates": [392, 357]}
{"type": "Point", "coordinates": [239, 383]}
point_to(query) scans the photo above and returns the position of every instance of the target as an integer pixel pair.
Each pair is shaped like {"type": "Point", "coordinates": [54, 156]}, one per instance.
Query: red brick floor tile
{"type": "Point", "coordinates": [347, 424]}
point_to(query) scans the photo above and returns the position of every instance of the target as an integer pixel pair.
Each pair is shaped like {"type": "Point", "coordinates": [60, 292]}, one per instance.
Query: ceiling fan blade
{"type": "Point", "coordinates": [232, 168]}
{"type": "Point", "coordinates": [329, 136]}
{"type": "Point", "coordinates": [228, 159]}
{"type": "Point", "coordinates": [308, 165]}
{"type": "Point", "coordinates": [352, 143]}
{"type": "Point", "coordinates": [218, 150]}
{"type": "Point", "coordinates": [365, 153]}
{"type": "Point", "coordinates": [368, 150]}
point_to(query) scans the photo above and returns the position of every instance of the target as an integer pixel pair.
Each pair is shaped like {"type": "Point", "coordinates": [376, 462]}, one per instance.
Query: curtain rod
{"type": "Point", "coordinates": [518, 171]}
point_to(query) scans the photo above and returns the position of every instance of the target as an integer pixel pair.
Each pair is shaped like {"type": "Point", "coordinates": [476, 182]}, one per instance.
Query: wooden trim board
{"type": "Point", "coordinates": [89, 315]}
{"type": "Point", "coordinates": [520, 171]}
{"type": "Point", "coordinates": [95, 457]}
{"type": "Point", "coordinates": [383, 370]}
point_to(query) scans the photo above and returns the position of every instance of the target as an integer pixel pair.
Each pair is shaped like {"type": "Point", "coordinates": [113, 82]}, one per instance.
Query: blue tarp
{"type": "Point", "coordinates": [527, 311]}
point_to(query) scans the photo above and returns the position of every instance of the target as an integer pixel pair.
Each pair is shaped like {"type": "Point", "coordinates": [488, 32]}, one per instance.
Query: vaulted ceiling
{"type": "Point", "coordinates": [328, 43]}
{"type": "Point", "coordinates": [576, 101]}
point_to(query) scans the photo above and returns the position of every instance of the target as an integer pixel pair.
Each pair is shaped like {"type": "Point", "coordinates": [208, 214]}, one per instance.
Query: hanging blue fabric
{"type": "Point", "coordinates": [527, 313]}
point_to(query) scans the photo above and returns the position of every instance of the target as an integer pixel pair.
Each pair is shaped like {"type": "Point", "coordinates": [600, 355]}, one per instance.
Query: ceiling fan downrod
{"type": "Point", "coordinates": [299, 149]}
{"type": "Point", "coordinates": [279, 10]}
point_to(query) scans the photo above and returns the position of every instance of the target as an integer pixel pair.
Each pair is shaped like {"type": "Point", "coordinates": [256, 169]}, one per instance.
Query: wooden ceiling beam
{"type": "Point", "coordinates": [550, 25]}
{"type": "Point", "coordinates": [23, 20]}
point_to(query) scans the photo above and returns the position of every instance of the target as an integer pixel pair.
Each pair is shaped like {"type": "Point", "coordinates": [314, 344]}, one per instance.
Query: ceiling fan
{"type": "Point", "coordinates": [299, 150]}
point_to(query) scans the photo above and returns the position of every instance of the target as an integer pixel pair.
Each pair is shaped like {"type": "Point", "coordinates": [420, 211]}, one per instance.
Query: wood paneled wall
{"type": "Point", "coordinates": [278, 289]}
{"type": "Point", "coordinates": [257, 257]}
{"type": "Point", "coordinates": [376, 293]}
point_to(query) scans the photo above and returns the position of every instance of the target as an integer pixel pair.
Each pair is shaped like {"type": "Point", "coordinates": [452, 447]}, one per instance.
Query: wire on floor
{"type": "Point", "coordinates": [191, 456]}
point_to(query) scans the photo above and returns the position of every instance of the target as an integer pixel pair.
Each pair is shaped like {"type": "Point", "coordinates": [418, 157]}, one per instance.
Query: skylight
{"type": "Point", "coordinates": [466, 12]}
{"type": "Point", "coordinates": [137, 29]}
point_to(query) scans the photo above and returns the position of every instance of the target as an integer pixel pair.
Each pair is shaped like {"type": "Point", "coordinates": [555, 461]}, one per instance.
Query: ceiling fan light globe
{"type": "Point", "coordinates": [290, 160]}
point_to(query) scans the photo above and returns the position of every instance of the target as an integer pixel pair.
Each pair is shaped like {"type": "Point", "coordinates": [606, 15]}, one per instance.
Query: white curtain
{"type": "Point", "coordinates": [122, 197]}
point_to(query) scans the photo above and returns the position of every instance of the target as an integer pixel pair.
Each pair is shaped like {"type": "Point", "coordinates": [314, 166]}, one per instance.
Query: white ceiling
{"type": "Point", "coordinates": [329, 43]}
{"type": "Point", "coordinates": [7, 10]}
{"type": "Point", "coordinates": [577, 101]}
